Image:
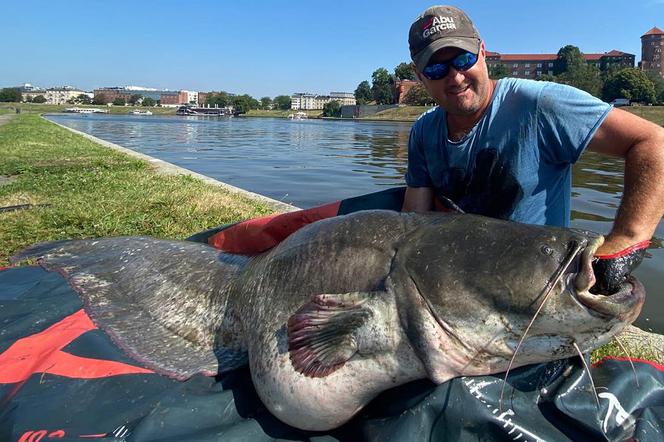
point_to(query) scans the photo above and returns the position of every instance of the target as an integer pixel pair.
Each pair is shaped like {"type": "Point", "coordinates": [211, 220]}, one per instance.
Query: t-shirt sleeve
{"type": "Point", "coordinates": [417, 174]}
{"type": "Point", "coordinates": [567, 119]}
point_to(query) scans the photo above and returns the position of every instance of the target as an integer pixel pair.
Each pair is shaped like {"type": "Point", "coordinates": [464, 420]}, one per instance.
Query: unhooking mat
{"type": "Point", "coordinates": [61, 378]}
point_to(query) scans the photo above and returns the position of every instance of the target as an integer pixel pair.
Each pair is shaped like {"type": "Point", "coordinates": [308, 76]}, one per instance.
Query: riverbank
{"type": "Point", "coordinates": [75, 188]}
{"type": "Point", "coordinates": [402, 113]}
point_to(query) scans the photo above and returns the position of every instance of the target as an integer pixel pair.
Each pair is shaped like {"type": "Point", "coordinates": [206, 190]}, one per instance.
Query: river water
{"type": "Point", "coordinates": [311, 162]}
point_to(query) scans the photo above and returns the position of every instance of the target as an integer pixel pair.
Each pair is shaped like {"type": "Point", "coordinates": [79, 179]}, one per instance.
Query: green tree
{"type": "Point", "coordinates": [585, 77]}
{"type": "Point", "coordinates": [99, 99]}
{"type": "Point", "coordinates": [266, 103]}
{"type": "Point", "coordinates": [243, 103]}
{"type": "Point", "coordinates": [629, 83]}
{"type": "Point", "coordinates": [83, 99]}
{"type": "Point", "coordinates": [39, 99]}
{"type": "Point", "coordinates": [569, 59]}
{"type": "Point", "coordinates": [404, 71]}
{"type": "Point", "coordinates": [119, 101]}
{"type": "Point", "coordinates": [382, 88]}
{"type": "Point", "coordinates": [363, 93]}
{"type": "Point", "coordinates": [135, 98]}
{"type": "Point", "coordinates": [658, 82]}
{"type": "Point", "coordinates": [498, 71]}
{"type": "Point", "coordinates": [221, 99]}
{"type": "Point", "coordinates": [282, 102]}
{"type": "Point", "coordinates": [10, 94]}
{"type": "Point", "coordinates": [332, 109]}
{"type": "Point", "coordinates": [418, 96]}
{"type": "Point", "coordinates": [147, 101]}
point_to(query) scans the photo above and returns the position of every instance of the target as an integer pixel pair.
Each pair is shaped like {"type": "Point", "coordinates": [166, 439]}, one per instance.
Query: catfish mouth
{"type": "Point", "coordinates": [625, 304]}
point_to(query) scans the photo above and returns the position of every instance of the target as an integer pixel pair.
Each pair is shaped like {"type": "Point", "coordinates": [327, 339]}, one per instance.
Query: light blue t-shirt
{"type": "Point", "coordinates": [516, 161]}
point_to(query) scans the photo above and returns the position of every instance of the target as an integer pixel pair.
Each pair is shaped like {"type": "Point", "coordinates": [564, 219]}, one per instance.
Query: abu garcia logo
{"type": "Point", "coordinates": [437, 24]}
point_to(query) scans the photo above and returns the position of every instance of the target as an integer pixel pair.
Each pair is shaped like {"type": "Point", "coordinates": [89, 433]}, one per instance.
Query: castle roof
{"type": "Point", "coordinates": [654, 31]}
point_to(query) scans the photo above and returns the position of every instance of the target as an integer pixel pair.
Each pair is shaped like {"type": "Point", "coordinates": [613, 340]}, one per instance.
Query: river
{"type": "Point", "coordinates": [311, 162]}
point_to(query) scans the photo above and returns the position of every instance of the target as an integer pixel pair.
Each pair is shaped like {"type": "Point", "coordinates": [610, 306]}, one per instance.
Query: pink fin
{"type": "Point", "coordinates": [321, 334]}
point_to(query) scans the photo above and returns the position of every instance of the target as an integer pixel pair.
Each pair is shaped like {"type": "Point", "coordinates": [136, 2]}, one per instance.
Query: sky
{"type": "Point", "coordinates": [269, 48]}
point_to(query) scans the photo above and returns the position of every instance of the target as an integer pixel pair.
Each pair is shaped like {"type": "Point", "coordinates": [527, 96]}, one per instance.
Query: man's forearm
{"type": "Point", "coordinates": [642, 204]}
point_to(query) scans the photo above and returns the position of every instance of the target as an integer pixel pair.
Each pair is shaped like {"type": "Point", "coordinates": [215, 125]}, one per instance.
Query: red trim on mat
{"type": "Point", "coordinates": [3, 268]}
{"type": "Point", "coordinates": [627, 251]}
{"type": "Point", "coordinates": [260, 234]}
{"type": "Point", "coordinates": [41, 353]}
{"type": "Point", "coordinates": [659, 367]}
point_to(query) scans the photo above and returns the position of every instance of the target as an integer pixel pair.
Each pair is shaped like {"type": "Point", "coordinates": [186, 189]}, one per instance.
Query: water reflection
{"type": "Point", "coordinates": [311, 162]}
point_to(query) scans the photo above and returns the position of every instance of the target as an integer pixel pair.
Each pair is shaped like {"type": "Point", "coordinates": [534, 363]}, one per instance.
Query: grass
{"type": "Point", "coordinates": [650, 113]}
{"type": "Point", "coordinates": [93, 191]}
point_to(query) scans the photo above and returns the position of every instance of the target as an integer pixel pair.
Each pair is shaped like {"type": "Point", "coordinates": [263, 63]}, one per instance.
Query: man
{"type": "Point", "coordinates": [505, 148]}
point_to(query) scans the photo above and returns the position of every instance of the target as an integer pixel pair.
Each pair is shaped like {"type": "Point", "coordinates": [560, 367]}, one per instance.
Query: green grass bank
{"type": "Point", "coordinates": [93, 191]}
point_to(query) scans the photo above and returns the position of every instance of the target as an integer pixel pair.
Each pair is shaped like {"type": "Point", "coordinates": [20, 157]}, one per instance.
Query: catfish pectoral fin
{"type": "Point", "coordinates": [321, 333]}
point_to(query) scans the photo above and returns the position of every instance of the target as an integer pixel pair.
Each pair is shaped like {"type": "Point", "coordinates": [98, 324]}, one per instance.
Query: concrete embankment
{"type": "Point", "coordinates": [167, 168]}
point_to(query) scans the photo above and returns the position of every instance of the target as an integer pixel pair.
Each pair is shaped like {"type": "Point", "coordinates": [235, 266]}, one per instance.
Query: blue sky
{"type": "Point", "coordinates": [269, 48]}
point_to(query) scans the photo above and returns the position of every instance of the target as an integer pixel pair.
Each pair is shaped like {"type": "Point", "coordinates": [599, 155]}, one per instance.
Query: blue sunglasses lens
{"type": "Point", "coordinates": [461, 62]}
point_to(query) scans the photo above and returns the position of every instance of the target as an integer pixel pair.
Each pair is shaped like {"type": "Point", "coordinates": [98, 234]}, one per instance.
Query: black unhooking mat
{"type": "Point", "coordinates": [61, 378]}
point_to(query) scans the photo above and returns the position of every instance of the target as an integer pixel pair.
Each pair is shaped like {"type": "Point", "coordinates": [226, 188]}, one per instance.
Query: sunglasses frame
{"type": "Point", "coordinates": [445, 67]}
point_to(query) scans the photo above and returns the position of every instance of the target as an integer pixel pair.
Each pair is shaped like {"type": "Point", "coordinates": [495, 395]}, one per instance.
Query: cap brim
{"type": "Point", "coordinates": [469, 44]}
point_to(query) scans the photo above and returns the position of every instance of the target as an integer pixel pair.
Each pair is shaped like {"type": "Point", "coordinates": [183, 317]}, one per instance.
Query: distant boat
{"type": "Point", "coordinates": [298, 116]}
{"type": "Point", "coordinates": [210, 111]}
{"type": "Point", "coordinates": [85, 110]}
{"type": "Point", "coordinates": [140, 112]}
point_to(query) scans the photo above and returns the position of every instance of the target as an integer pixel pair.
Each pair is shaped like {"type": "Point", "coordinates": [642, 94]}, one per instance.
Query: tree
{"type": "Point", "coordinates": [282, 102]}
{"type": "Point", "coordinates": [404, 71]}
{"type": "Point", "coordinates": [135, 98]}
{"type": "Point", "coordinates": [569, 59]}
{"type": "Point", "coordinates": [243, 103]}
{"type": "Point", "coordinates": [498, 71]}
{"type": "Point", "coordinates": [266, 103]}
{"type": "Point", "coordinates": [658, 82]}
{"type": "Point", "coordinates": [147, 101]}
{"type": "Point", "coordinates": [332, 109]}
{"type": "Point", "coordinates": [382, 89]}
{"type": "Point", "coordinates": [363, 93]}
{"type": "Point", "coordinates": [418, 96]}
{"type": "Point", "coordinates": [83, 99]}
{"type": "Point", "coordinates": [39, 99]}
{"type": "Point", "coordinates": [586, 77]}
{"type": "Point", "coordinates": [220, 99]}
{"type": "Point", "coordinates": [629, 83]}
{"type": "Point", "coordinates": [99, 99]}
{"type": "Point", "coordinates": [119, 101]}
{"type": "Point", "coordinates": [10, 94]}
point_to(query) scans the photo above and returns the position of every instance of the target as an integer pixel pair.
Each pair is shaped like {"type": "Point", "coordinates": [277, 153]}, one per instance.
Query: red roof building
{"type": "Point", "coordinates": [536, 65]}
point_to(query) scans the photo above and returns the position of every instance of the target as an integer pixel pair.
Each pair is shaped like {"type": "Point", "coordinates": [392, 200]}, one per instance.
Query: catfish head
{"type": "Point", "coordinates": [469, 287]}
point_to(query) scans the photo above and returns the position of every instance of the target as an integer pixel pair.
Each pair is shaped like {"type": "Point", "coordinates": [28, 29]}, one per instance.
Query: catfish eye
{"type": "Point", "coordinates": [546, 250]}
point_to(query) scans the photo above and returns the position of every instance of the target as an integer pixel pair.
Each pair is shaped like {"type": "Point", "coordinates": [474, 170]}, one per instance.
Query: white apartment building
{"type": "Point", "coordinates": [192, 97]}
{"type": "Point", "coordinates": [307, 101]}
{"type": "Point", "coordinates": [62, 95]}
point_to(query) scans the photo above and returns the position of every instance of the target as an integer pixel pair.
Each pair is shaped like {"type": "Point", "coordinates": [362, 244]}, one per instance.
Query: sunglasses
{"type": "Point", "coordinates": [462, 62]}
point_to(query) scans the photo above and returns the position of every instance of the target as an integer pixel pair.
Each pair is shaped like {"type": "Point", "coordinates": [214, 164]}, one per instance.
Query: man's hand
{"type": "Point", "coordinates": [612, 269]}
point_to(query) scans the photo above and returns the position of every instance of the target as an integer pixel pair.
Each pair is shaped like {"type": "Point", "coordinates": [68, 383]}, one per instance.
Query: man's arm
{"type": "Point", "coordinates": [418, 199]}
{"type": "Point", "coordinates": [641, 144]}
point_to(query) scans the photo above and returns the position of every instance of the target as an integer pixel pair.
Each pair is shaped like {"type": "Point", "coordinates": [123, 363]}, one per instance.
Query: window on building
{"type": "Point", "coordinates": [550, 72]}
{"type": "Point", "coordinates": [515, 73]}
{"type": "Point", "coordinates": [527, 65]}
{"type": "Point", "coordinates": [526, 73]}
{"type": "Point", "coordinates": [539, 73]}
{"type": "Point", "coordinates": [539, 65]}
{"type": "Point", "coordinates": [550, 65]}
{"type": "Point", "coordinates": [515, 65]}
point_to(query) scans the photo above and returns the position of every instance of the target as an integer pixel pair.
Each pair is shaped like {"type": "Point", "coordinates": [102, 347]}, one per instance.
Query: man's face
{"type": "Point", "coordinates": [459, 93]}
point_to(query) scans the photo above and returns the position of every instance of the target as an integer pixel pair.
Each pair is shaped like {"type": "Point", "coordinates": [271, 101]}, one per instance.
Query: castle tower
{"type": "Point", "coordinates": [652, 47]}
